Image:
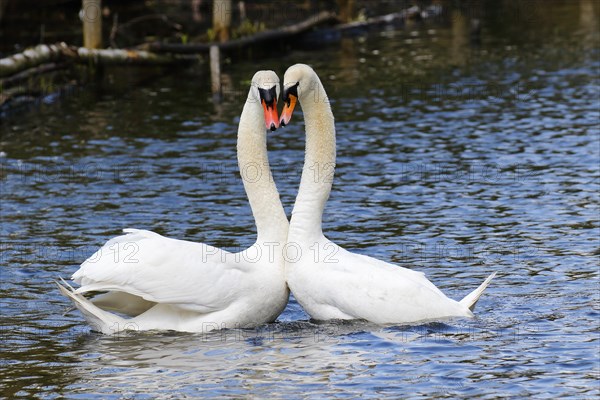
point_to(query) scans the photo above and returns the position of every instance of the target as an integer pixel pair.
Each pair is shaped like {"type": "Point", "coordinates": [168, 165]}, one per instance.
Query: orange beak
{"type": "Point", "coordinates": [288, 109]}
{"type": "Point", "coordinates": [271, 118]}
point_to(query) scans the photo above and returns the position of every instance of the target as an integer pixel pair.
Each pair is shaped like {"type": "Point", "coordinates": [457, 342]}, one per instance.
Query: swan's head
{"type": "Point", "coordinates": [299, 80]}
{"type": "Point", "coordinates": [265, 89]}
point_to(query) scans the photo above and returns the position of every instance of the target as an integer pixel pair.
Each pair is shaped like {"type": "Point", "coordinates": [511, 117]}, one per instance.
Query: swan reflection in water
{"type": "Point", "coordinates": [263, 361]}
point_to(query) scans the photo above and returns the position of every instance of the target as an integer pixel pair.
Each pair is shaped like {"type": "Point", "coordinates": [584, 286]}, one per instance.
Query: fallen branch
{"type": "Point", "coordinates": [44, 54]}
{"type": "Point", "coordinates": [30, 58]}
{"type": "Point", "coordinates": [261, 37]}
{"type": "Point", "coordinates": [122, 56]}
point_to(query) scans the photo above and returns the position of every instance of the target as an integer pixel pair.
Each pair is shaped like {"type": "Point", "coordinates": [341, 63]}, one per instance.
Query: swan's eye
{"type": "Point", "coordinates": [268, 96]}
{"type": "Point", "coordinates": [290, 90]}
{"type": "Point", "coordinates": [290, 96]}
{"type": "Point", "coordinates": [268, 99]}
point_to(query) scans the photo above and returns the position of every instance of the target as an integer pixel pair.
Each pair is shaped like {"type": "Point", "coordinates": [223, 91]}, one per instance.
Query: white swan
{"type": "Point", "coordinates": [328, 281]}
{"type": "Point", "coordinates": [164, 283]}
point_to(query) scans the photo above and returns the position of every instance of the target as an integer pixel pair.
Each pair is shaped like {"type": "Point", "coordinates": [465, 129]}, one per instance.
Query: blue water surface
{"type": "Point", "coordinates": [458, 155]}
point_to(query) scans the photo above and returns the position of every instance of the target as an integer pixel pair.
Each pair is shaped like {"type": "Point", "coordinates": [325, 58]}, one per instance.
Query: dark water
{"type": "Point", "coordinates": [458, 156]}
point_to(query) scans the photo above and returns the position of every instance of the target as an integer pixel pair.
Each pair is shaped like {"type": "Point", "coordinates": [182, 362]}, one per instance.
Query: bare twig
{"type": "Point", "coordinates": [150, 17]}
{"type": "Point", "coordinates": [113, 31]}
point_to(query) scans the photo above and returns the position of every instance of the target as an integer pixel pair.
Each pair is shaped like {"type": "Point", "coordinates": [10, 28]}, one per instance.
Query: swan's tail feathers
{"type": "Point", "coordinates": [471, 299]}
{"type": "Point", "coordinates": [99, 319]}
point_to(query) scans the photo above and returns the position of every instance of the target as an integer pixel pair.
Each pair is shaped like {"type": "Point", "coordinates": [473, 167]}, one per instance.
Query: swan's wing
{"type": "Point", "coordinates": [123, 303]}
{"type": "Point", "coordinates": [364, 287]}
{"type": "Point", "coordinates": [397, 274]}
{"type": "Point", "coordinates": [194, 276]}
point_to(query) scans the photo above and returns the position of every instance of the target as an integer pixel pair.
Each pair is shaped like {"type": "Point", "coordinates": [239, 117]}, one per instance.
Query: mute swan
{"type": "Point", "coordinates": [328, 281]}
{"type": "Point", "coordinates": [177, 285]}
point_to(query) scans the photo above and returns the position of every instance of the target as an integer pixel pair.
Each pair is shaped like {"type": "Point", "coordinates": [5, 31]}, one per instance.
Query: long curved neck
{"type": "Point", "coordinates": [319, 164]}
{"type": "Point", "coordinates": [269, 215]}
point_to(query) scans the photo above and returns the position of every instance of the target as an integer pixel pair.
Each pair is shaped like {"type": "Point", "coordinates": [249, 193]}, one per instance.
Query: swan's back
{"type": "Point", "coordinates": [355, 286]}
{"type": "Point", "coordinates": [194, 276]}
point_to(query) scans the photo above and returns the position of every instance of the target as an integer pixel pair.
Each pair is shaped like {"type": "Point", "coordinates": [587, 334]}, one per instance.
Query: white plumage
{"type": "Point", "coordinates": [156, 282]}
{"type": "Point", "coordinates": [327, 280]}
